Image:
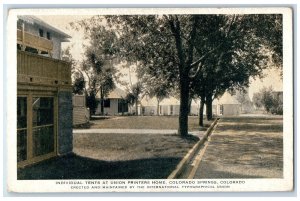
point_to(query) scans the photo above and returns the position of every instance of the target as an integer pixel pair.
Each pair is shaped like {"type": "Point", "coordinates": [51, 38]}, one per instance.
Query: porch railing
{"type": "Point", "coordinates": [29, 40]}
{"type": "Point", "coordinates": [36, 69]}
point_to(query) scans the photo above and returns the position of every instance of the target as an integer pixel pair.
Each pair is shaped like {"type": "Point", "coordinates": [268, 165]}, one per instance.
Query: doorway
{"type": "Point", "coordinates": [36, 128]}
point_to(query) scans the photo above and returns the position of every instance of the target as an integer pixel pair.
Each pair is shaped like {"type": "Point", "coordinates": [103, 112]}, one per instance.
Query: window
{"type": "Point", "coordinates": [107, 103]}
{"type": "Point", "coordinates": [221, 109]}
{"type": "Point", "coordinates": [41, 32]}
{"type": "Point", "coordinates": [35, 127]}
{"type": "Point", "coordinates": [122, 106]}
{"type": "Point", "coordinates": [48, 35]}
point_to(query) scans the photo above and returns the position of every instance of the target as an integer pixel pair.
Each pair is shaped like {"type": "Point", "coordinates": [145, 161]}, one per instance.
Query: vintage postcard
{"type": "Point", "coordinates": [150, 100]}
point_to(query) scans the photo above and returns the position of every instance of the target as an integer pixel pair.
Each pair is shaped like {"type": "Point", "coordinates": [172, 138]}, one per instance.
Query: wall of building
{"type": "Point", "coordinates": [56, 52]}
{"type": "Point", "coordinates": [194, 110]}
{"type": "Point", "coordinates": [149, 110]}
{"type": "Point", "coordinates": [112, 110]}
{"type": "Point", "coordinates": [65, 122]}
{"type": "Point", "coordinates": [231, 109]}
{"type": "Point", "coordinates": [167, 110]}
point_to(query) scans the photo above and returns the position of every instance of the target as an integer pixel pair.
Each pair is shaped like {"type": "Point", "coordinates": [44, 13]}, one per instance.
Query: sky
{"type": "Point", "coordinates": [271, 76]}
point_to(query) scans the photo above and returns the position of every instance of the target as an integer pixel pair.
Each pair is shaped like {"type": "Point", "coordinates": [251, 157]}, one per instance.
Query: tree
{"type": "Point", "coordinates": [242, 54]}
{"type": "Point", "coordinates": [165, 45]}
{"type": "Point", "coordinates": [99, 62]}
{"type": "Point", "coordinates": [78, 80]}
{"type": "Point", "coordinates": [257, 101]}
{"type": "Point", "coordinates": [266, 97]}
{"type": "Point", "coordinates": [210, 50]}
{"type": "Point", "coordinates": [78, 85]}
{"type": "Point", "coordinates": [160, 91]}
{"type": "Point", "coordinates": [134, 96]}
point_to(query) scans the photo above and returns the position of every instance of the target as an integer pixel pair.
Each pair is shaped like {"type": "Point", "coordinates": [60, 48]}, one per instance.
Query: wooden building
{"type": "Point", "coordinates": [44, 92]}
{"type": "Point", "coordinates": [114, 103]}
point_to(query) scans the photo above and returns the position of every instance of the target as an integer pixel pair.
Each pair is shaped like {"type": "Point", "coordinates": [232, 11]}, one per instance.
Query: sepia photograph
{"type": "Point", "coordinates": [150, 100]}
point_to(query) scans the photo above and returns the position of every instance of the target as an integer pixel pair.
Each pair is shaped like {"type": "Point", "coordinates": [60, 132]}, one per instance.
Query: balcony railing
{"type": "Point", "coordinates": [36, 69]}
{"type": "Point", "coordinates": [29, 40]}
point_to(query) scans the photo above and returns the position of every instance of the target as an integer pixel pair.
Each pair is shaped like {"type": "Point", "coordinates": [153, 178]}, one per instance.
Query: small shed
{"type": "Point", "coordinates": [114, 103]}
{"type": "Point", "coordinates": [81, 114]}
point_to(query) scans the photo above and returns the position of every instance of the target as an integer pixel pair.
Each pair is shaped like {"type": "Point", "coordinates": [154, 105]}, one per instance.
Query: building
{"type": "Point", "coordinates": [44, 92]}
{"type": "Point", "coordinates": [36, 36]}
{"type": "Point", "coordinates": [113, 104]}
{"type": "Point", "coordinates": [148, 106]}
{"type": "Point", "coordinates": [227, 105]}
{"type": "Point", "coordinates": [168, 106]}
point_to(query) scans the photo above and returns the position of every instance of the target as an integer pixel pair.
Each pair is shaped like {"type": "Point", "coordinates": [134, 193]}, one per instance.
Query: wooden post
{"type": "Point", "coordinates": [23, 47]}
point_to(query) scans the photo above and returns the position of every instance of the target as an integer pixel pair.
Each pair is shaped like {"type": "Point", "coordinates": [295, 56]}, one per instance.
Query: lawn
{"type": "Point", "coordinates": [146, 122]}
{"type": "Point", "coordinates": [114, 156]}
{"type": "Point", "coordinates": [120, 156]}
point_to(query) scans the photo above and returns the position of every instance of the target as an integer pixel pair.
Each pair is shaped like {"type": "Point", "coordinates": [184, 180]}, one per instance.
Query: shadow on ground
{"type": "Point", "coordinates": [259, 119]}
{"type": "Point", "coordinates": [252, 124]}
{"type": "Point", "coordinates": [252, 128]}
{"type": "Point", "coordinates": [256, 152]}
{"type": "Point", "coordinates": [215, 173]}
{"type": "Point", "coordinates": [73, 166]}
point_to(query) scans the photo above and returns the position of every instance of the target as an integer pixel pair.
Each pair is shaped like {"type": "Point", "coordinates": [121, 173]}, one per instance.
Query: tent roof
{"type": "Point", "coordinates": [227, 98]}
{"type": "Point", "coordinates": [117, 93]}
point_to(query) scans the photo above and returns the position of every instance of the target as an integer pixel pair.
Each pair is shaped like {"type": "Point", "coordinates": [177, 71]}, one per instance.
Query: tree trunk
{"type": "Point", "coordinates": [136, 107]}
{"type": "Point", "coordinates": [209, 108]}
{"type": "Point", "coordinates": [185, 61]}
{"type": "Point", "coordinates": [184, 108]}
{"type": "Point", "coordinates": [201, 113]}
{"type": "Point", "coordinates": [190, 105]}
{"type": "Point", "coordinates": [122, 106]}
{"type": "Point", "coordinates": [102, 101]}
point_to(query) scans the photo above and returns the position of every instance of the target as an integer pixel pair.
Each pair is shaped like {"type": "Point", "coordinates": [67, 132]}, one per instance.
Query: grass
{"type": "Point", "coordinates": [120, 156]}
{"type": "Point", "coordinates": [114, 156]}
{"type": "Point", "coordinates": [146, 122]}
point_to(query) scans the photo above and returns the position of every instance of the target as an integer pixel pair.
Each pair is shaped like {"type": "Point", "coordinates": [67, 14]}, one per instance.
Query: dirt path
{"type": "Point", "coordinates": [244, 147]}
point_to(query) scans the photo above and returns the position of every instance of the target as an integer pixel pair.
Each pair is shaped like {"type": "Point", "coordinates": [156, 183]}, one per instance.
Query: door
{"type": "Point", "coordinates": [36, 128]}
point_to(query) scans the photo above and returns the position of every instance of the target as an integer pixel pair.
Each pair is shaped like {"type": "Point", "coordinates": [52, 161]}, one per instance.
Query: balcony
{"type": "Point", "coordinates": [39, 70]}
{"type": "Point", "coordinates": [29, 40]}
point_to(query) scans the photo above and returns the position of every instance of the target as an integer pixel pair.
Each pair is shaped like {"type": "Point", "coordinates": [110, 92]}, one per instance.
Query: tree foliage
{"type": "Point", "coordinates": [99, 62]}
{"type": "Point", "coordinates": [135, 95]}
{"type": "Point", "coordinates": [267, 98]}
{"type": "Point", "coordinates": [78, 85]}
{"type": "Point", "coordinates": [195, 55]}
